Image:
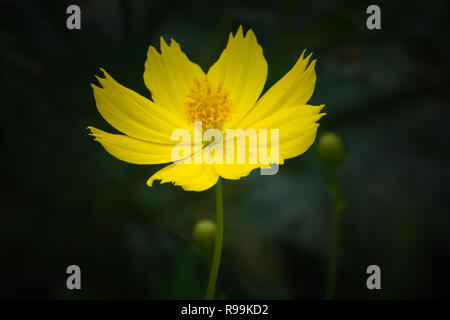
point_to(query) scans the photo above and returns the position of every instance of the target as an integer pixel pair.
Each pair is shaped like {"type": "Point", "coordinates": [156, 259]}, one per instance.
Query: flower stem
{"type": "Point", "coordinates": [334, 244]}
{"type": "Point", "coordinates": [218, 243]}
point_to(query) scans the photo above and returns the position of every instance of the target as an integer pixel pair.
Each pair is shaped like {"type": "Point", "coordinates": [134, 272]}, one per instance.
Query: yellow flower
{"type": "Point", "coordinates": [226, 97]}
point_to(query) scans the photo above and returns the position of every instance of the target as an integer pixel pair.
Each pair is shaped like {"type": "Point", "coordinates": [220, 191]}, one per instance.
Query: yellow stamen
{"type": "Point", "coordinates": [208, 103]}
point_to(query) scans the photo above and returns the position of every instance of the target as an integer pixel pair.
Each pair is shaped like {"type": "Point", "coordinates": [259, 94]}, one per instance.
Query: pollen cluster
{"type": "Point", "coordinates": [208, 103]}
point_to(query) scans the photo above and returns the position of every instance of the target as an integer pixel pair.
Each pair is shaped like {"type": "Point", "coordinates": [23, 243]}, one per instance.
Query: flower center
{"type": "Point", "coordinates": [208, 103]}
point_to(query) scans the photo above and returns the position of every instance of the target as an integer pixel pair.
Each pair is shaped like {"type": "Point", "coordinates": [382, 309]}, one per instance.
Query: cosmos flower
{"type": "Point", "coordinates": [227, 97]}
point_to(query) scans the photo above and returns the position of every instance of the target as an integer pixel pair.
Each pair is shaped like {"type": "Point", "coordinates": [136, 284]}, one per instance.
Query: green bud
{"type": "Point", "coordinates": [330, 150]}
{"type": "Point", "coordinates": [204, 234]}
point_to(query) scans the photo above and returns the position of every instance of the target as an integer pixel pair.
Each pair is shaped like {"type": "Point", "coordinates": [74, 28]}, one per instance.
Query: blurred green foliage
{"type": "Point", "coordinates": [66, 201]}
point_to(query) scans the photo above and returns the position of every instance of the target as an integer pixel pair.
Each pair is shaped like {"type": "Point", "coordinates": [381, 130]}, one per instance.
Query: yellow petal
{"type": "Point", "coordinates": [300, 144]}
{"type": "Point", "coordinates": [133, 150]}
{"type": "Point", "coordinates": [294, 89]}
{"type": "Point", "coordinates": [169, 76]}
{"type": "Point", "coordinates": [297, 128]}
{"type": "Point", "coordinates": [242, 70]}
{"type": "Point", "coordinates": [133, 114]}
{"type": "Point", "coordinates": [234, 171]}
{"type": "Point", "coordinates": [191, 177]}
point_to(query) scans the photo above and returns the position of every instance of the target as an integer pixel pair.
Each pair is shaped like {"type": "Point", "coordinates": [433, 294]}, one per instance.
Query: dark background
{"type": "Point", "coordinates": [66, 201]}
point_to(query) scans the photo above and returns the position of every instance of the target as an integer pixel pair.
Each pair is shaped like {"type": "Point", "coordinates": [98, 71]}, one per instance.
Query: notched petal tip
{"type": "Point", "coordinates": [162, 43]}
{"type": "Point", "coordinates": [174, 43]}
{"type": "Point", "coordinates": [230, 37]}
{"type": "Point", "coordinates": [152, 50]}
{"type": "Point", "coordinates": [240, 30]}
{"type": "Point", "coordinates": [320, 116]}
{"type": "Point", "coordinates": [94, 86]}
{"type": "Point", "coordinates": [104, 73]}
{"type": "Point", "coordinates": [319, 107]}
{"type": "Point", "coordinates": [99, 79]}
{"type": "Point", "coordinates": [250, 34]}
{"type": "Point", "coordinates": [155, 177]}
{"type": "Point", "coordinates": [239, 34]}
{"type": "Point", "coordinates": [93, 132]}
{"type": "Point", "coordinates": [303, 54]}
{"type": "Point", "coordinates": [150, 182]}
{"type": "Point", "coordinates": [308, 57]}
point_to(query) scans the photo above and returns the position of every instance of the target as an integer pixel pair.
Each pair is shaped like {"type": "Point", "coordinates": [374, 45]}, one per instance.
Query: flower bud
{"type": "Point", "coordinates": [330, 150]}
{"type": "Point", "coordinates": [204, 234]}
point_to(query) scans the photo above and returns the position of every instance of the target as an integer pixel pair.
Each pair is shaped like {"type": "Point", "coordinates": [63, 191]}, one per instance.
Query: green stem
{"type": "Point", "coordinates": [218, 243]}
{"type": "Point", "coordinates": [334, 244]}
